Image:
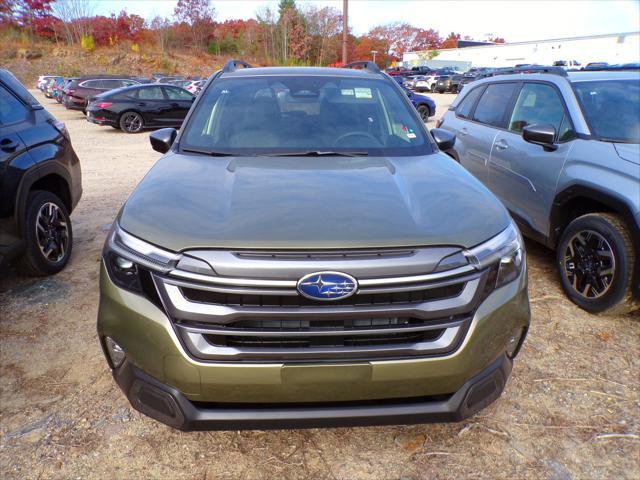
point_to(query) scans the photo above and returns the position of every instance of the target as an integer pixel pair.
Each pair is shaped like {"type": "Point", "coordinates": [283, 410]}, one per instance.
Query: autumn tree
{"type": "Point", "coordinates": [199, 16]}
{"type": "Point", "coordinates": [324, 26]}
{"type": "Point", "coordinates": [451, 41]}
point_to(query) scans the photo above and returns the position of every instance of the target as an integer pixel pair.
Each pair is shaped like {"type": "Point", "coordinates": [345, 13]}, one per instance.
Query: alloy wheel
{"type": "Point", "coordinates": [132, 122]}
{"type": "Point", "coordinates": [589, 264]}
{"type": "Point", "coordinates": [52, 232]}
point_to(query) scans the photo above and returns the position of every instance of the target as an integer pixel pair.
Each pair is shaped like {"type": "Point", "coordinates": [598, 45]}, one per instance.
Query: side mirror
{"type": "Point", "coordinates": [161, 140]}
{"type": "Point", "coordinates": [541, 134]}
{"type": "Point", "coordinates": [444, 139]}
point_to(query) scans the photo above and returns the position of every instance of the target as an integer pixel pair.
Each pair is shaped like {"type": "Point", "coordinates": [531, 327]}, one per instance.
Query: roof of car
{"type": "Point", "coordinates": [317, 71]}
{"type": "Point", "coordinates": [591, 75]}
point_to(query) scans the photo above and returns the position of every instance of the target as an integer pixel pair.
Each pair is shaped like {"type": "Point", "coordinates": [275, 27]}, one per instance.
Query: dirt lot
{"type": "Point", "coordinates": [570, 409]}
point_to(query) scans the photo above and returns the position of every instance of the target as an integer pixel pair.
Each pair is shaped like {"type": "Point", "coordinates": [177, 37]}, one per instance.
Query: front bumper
{"type": "Point", "coordinates": [237, 394]}
{"type": "Point", "coordinates": [168, 405]}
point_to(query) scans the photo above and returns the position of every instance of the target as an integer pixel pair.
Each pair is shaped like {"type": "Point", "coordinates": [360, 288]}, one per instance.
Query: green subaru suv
{"type": "Point", "coordinates": [304, 255]}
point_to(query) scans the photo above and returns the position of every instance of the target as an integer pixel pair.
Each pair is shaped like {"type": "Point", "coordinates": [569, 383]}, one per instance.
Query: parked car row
{"type": "Point", "coordinates": [128, 103]}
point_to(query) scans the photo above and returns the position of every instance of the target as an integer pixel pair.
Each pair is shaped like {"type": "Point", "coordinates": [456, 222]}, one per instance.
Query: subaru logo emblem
{"type": "Point", "coordinates": [327, 286]}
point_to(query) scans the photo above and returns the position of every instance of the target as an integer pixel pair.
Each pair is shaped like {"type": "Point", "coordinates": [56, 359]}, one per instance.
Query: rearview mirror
{"type": "Point", "coordinates": [444, 139]}
{"type": "Point", "coordinates": [161, 140]}
{"type": "Point", "coordinates": [542, 134]}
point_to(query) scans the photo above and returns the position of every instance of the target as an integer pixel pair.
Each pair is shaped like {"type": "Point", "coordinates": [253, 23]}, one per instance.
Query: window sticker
{"type": "Point", "coordinates": [363, 93]}
{"type": "Point", "coordinates": [347, 91]}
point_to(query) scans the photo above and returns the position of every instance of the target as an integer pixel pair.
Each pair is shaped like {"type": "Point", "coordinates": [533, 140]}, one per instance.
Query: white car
{"type": "Point", "coordinates": [195, 86]}
{"type": "Point", "coordinates": [426, 83]}
{"type": "Point", "coordinates": [42, 81]}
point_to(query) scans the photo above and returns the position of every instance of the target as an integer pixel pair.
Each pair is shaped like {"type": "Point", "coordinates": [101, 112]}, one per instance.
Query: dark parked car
{"type": "Point", "coordinates": [446, 83]}
{"type": "Point", "coordinates": [40, 182]}
{"type": "Point", "coordinates": [76, 93]}
{"type": "Point", "coordinates": [141, 106]}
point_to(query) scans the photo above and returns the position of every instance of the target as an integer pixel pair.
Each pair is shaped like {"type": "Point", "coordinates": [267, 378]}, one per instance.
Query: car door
{"type": "Point", "coordinates": [180, 102]}
{"type": "Point", "coordinates": [14, 157]}
{"type": "Point", "coordinates": [523, 175]}
{"type": "Point", "coordinates": [153, 106]}
{"type": "Point", "coordinates": [482, 112]}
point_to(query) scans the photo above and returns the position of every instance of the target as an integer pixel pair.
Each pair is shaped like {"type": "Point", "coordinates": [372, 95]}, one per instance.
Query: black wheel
{"type": "Point", "coordinates": [48, 235]}
{"type": "Point", "coordinates": [596, 257]}
{"type": "Point", "coordinates": [131, 122]}
{"type": "Point", "coordinates": [433, 89]}
{"type": "Point", "coordinates": [423, 110]}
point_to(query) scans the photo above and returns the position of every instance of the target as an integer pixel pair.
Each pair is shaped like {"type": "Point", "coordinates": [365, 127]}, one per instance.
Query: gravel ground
{"type": "Point", "coordinates": [570, 409]}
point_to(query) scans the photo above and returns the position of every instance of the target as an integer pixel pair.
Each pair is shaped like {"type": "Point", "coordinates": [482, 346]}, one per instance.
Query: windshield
{"type": "Point", "coordinates": [286, 114]}
{"type": "Point", "coordinates": [611, 108]}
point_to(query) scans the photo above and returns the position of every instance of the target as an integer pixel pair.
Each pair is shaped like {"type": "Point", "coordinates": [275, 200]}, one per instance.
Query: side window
{"type": "Point", "coordinates": [465, 107]}
{"type": "Point", "coordinates": [126, 83]}
{"type": "Point", "coordinates": [11, 109]}
{"type": "Point", "coordinates": [540, 103]}
{"type": "Point", "coordinates": [493, 104]}
{"type": "Point", "coordinates": [153, 93]}
{"type": "Point", "coordinates": [110, 84]}
{"type": "Point", "coordinates": [177, 94]}
{"type": "Point", "coordinates": [91, 84]}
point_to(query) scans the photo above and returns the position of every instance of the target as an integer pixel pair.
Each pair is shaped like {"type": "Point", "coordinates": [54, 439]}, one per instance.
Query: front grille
{"type": "Point", "coordinates": [332, 341]}
{"type": "Point", "coordinates": [293, 301]}
{"type": "Point", "coordinates": [249, 317]}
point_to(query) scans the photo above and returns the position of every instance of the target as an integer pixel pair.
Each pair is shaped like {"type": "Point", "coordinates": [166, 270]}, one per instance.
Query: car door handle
{"type": "Point", "coordinates": [8, 145]}
{"type": "Point", "coordinates": [141, 104]}
{"type": "Point", "coordinates": [463, 131]}
{"type": "Point", "coordinates": [502, 145]}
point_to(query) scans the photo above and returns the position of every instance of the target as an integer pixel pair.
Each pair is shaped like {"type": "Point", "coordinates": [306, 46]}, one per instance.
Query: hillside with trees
{"type": "Point", "coordinates": [66, 37]}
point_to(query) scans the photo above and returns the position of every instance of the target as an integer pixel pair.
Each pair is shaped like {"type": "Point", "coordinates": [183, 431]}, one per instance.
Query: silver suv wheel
{"type": "Point", "coordinates": [590, 264]}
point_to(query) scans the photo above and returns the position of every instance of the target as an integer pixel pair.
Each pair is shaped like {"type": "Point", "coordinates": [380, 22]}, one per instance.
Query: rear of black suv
{"type": "Point", "coordinates": [40, 182]}
{"type": "Point", "coordinates": [304, 255]}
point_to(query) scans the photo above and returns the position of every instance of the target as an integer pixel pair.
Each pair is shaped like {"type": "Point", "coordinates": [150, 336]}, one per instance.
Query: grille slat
{"type": "Point", "coordinates": [288, 301]}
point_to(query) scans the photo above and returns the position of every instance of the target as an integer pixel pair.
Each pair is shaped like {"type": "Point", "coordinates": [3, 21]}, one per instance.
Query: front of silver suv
{"type": "Point", "coordinates": [561, 151]}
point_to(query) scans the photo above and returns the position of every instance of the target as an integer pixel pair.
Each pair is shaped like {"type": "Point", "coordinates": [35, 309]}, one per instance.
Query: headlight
{"type": "Point", "coordinates": [129, 260]}
{"type": "Point", "coordinates": [506, 250]}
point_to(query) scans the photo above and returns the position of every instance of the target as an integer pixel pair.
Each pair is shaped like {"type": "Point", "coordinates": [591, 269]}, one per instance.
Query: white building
{"type": "Point", "coordinates": [613, 48]}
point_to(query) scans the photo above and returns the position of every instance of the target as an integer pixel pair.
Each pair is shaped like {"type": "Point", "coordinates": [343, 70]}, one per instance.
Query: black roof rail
{"type": "Point", "coordinates": [231, 65]}
{"type": "Point", "coordinates": [532, 69]}
{"type": "Point", "coordinates": [365, 64]}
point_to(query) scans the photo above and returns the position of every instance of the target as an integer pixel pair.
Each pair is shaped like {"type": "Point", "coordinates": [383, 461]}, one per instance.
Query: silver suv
{"type": "Point", "coordinates": [561, 150]}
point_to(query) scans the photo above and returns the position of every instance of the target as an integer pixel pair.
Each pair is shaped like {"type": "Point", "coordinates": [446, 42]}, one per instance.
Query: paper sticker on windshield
{"type": "Point", "coordinates": [347, 91]}
{"type": "Point", "coordinates": [363, 92]}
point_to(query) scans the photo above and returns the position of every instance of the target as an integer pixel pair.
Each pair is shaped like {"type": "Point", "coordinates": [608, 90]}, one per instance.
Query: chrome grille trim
{"type": "Point", "coordinates": [364, 282]}
{"type": "Point", "coordinates": [201, 348]}
{"type": "Point", "coordinates": [181, 308]}
{"type": "Point", "coordinates": [248, 292]}
{"type": "Point", "coordinates": [316, 333]}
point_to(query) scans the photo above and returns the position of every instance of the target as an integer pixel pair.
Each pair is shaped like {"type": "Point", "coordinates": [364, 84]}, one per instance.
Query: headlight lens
{"type": "Point", "coordinates": [129, 259]}
{"type": "Point", "coordinates": [505, 249]}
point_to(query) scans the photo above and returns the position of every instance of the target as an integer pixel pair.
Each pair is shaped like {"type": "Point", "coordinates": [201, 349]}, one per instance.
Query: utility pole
{"type": "Point", "coordinates": [345, 32]}
{"type": "Point", "coordinates": [374, 55]}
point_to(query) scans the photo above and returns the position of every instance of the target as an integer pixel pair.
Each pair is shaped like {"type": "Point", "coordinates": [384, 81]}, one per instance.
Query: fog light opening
{"type": "Point", "coordinates": [115, 351]}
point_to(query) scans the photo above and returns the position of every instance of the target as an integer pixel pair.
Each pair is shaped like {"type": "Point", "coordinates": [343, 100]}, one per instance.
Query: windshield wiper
{"type": "Point", "coordinates": [211, 153]}
{"type": "Point", "coordinates": [315, 153]}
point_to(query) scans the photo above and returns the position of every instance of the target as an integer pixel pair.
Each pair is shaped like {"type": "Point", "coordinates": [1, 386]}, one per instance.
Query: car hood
{"type": "Point", "coordinates": [628, 151]}
{"type": "Point", "coordinates": [195, 201]}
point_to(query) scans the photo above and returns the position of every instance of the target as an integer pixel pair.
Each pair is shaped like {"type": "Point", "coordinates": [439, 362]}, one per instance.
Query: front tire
{"type": "Point", "coordinates": [48, 235]}
{"type": "Point", "coordinates": [131, 122]}
{"type": "Point", "coordinates": [423, 110]}
{"type": "Point", "coordinates": [596, 257]}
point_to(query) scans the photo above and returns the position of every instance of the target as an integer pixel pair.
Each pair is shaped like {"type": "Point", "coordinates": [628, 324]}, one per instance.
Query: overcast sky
{"type": "Point", "coordinates": [514, 20]}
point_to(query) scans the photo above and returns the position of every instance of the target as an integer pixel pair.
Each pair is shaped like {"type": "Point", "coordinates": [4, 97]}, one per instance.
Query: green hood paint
{"type": "Point", "coordinates": [195, 201]}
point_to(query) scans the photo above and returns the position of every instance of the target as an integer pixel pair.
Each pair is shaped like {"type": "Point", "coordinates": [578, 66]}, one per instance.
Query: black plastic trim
{"type": "Point", "coordinates": [178, 412]}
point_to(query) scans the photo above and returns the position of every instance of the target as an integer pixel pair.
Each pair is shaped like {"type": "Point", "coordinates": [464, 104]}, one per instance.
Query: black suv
{"type": "Point", "coordinates": [40, 182]}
